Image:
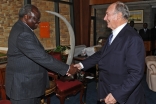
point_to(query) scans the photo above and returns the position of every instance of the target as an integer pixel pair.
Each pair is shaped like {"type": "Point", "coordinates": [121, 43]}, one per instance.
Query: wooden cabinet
{"type": "Point", "coordinates": [149, 47]}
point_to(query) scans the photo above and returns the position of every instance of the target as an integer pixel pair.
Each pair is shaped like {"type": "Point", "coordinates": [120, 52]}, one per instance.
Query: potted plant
{"type": "Point", "coordinates": [62, 49]}
{"type": "Point", "coordinates": [60, 52]}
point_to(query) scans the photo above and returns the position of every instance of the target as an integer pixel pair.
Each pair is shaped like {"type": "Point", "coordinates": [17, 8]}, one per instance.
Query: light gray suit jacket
{"type": "Point", "coordinates": [26, 74]}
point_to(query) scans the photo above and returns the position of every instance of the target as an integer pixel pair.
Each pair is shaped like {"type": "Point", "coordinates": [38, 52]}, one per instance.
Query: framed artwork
{"type": "Point", "coordinates": [136, 16]}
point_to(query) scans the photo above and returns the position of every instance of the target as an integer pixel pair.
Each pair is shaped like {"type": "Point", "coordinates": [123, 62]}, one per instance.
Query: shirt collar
{"type": "Point", "coordinates": [28, 26]}
{"type": "Point", "coordinates": [117, 30]}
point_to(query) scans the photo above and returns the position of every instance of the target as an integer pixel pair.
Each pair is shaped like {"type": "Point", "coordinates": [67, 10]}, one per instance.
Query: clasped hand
{"type": "Point", "coordinates": [72, 70]}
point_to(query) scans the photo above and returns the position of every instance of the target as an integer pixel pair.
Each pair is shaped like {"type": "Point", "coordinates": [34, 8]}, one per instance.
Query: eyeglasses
{"type": "Point", "coordinates": [34, 18]}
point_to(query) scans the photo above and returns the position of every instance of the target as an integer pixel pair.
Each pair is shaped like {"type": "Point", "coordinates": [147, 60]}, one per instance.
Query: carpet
{"type": "Point", "coordinates": [91, 97]}
{"type": "Point", "coordinates": [150, 95]}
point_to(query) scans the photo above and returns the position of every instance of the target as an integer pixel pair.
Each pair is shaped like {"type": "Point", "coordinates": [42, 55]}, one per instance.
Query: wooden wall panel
{"type": "Point", "coordinates": [82, 15]}
{"type": "Point", "coordinates": [77, 21]}
{"type": "Point", "coordinates": [98, 2]}
{"type": "Point", "coordinates": [94, 2]}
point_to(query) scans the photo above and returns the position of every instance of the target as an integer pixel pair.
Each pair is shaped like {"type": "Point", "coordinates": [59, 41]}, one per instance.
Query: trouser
{"type": "Point", "coordinates": [98, 102]}
{"type": "Point", "coordinates": [26, 101]}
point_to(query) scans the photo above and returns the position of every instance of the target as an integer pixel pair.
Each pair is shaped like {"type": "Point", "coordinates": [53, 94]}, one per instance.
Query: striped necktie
{"type": "Point", "coordinates": [110, 39]}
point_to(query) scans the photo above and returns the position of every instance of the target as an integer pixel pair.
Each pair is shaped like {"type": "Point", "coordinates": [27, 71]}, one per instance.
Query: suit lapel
{"type": "Point", "coordinates": [112, 46]}
{"type": "Point", "coordinates": [28, 29]}
{"type": "Point", "coordinates": [37, 40]}
{"type": "Point", "coordinates": [115, 42]}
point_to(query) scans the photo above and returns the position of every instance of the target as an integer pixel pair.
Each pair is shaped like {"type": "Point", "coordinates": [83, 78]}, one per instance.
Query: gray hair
{"type": "Point", "coordinates": [25, 10]}
{"type": "Point", "coordinates": [121, 7]}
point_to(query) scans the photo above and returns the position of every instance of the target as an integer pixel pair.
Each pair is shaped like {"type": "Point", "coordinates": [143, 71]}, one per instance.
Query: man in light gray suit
{"type": "Point", "coordinates": [26, 74]}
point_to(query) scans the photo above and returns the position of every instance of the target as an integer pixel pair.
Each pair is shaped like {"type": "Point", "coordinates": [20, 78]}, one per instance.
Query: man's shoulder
{"type": "Point", "coordinates": [18, 26]}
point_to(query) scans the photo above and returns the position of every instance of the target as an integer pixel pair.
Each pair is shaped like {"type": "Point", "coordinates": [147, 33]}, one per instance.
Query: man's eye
{"type": "Point", "coordinates": [34, 18]}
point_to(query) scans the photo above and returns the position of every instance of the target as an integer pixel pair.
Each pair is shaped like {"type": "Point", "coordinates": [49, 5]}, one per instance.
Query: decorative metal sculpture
{"type": "Point", "coordinates": [71, 34]}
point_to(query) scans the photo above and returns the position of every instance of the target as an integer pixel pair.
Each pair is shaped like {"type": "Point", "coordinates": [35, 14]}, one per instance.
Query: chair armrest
{"type": "Point", "coordinates": [53, 75]}
{"type": "Point", "coordinates": [151, 63]}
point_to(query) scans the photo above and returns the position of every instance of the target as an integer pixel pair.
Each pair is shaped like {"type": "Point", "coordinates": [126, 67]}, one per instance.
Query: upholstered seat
{"type": "Point", "coordinates": [64, 86]}
{"type": "Point", "coordinates": [151, 72]}
{"type": "Point", "coordinates": [5, 102]}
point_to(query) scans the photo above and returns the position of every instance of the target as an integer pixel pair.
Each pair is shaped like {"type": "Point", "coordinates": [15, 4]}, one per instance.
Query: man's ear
{"type": "Point", "coordinates": [25, 18]}
{"type": "Point", "coordinates": [119, 15]}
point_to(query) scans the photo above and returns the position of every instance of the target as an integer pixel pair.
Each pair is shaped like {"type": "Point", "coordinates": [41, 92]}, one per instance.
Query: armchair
{"type": "Point", "coordinates": [5, 102]}
{"type": "Point", "coordinates": [2, 83]}
{"type": "Point", "coordinates": [66, 88]}
{"type": "Point", "coordinates": [2, 86]}
{"type": "Point", "coordinates": [151, 72]}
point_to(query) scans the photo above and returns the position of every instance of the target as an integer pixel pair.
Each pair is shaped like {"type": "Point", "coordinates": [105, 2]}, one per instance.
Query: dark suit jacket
{"type": "Point", "coordinates": [26, 74]}
{"type": "Point", "coordinates": [135, 29]}
{"type": "Point", "coordinates": [121, 67]}
{"type": "Point", "coordinates": [146, 36]}
{"type": "Point", "coordinates": [153, 34]}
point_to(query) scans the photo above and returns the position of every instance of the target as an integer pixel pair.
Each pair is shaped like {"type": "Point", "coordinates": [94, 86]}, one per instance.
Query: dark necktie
{"type": "Point", "coordinates": [110, 39]}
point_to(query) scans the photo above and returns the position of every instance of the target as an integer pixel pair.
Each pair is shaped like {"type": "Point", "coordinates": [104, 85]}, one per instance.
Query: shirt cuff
{"type": "Point", "coordinates": [81, 65]}
{"type": "Point", "coordinates": [68, 69]}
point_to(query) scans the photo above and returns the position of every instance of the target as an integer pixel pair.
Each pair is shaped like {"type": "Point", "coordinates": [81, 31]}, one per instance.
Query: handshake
{"type": "Point", "coordinates": [73, 69]}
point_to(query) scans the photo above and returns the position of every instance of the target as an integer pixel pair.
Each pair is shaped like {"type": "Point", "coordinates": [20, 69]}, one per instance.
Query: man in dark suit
{"type": "Point", "coordinates": [26, 74]}
{"type": "Point", "coordinates": [153, 38]}
{"type": "Point", "coordinates": [120, 61]}
{"type": "Point", "coordinates": [132, 25]}
{"type": "Point", "coordinates": [145, 33]}
{"type": "Point", "coordinates": [153, 32]}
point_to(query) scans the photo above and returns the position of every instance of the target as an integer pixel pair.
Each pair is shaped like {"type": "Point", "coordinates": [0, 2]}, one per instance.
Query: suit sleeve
{"type": "Point", "coordinates": [29, 45]}
{"type": "Point", "coordinates": [93, 59]}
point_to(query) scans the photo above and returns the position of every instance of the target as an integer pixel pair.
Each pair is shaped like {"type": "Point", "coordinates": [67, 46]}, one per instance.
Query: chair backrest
{"type": "Point", "coordinates": [151, 72]}
{"type": "Point", "coordinates": [56, 55]}
{"type": "Point", "coordinates": [2, 83]}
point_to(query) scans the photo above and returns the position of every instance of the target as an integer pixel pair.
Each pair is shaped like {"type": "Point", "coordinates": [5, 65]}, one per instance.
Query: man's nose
{"type": "Point", "coordinates": [39, 22]}
{"type": "Point", "coordinates": [104, 18]}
